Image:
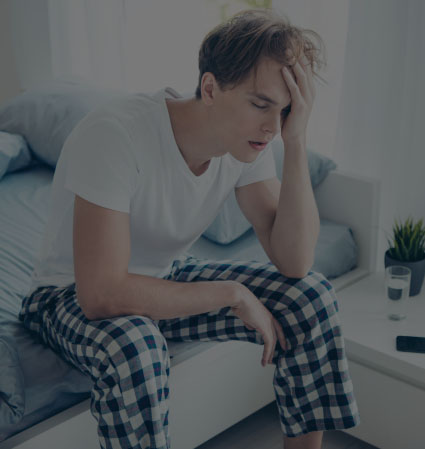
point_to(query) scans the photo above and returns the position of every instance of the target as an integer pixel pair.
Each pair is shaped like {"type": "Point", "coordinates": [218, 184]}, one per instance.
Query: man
{"type": "Point", "coordinates": [138, 181]}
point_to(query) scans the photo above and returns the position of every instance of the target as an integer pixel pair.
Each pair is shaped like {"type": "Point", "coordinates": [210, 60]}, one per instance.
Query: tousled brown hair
{"type": "Point", "coordinates": [232, 49]}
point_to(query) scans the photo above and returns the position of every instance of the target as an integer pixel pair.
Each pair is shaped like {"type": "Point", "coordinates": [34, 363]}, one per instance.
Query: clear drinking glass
{"type": "Point", "coordinates": [397, 285]}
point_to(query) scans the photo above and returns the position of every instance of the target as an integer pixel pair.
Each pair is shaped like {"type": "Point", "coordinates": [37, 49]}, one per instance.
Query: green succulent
{"type": "Point", "coordinates": [408, 241]}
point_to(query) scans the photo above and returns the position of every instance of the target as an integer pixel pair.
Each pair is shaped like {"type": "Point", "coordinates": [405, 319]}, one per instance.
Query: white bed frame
{"type": "Point", "coordinates": [215, 385]}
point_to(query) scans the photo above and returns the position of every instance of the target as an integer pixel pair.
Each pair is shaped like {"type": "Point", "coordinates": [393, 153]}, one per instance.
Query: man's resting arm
{"type": "Point", "coordinates": [101, 242]}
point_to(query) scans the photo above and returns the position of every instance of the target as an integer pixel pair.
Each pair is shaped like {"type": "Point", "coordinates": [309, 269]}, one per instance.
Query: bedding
{"type": "Point", "coordinates": [14, 153]}
{"type": "Point", "coordinates": [46, 115]}
{"type": "Point", "coordinates": [335, 253]}
{"type": "Point", "coordinates": [42, 384]}
{"type": "Point", "coordinates": [12, 395]}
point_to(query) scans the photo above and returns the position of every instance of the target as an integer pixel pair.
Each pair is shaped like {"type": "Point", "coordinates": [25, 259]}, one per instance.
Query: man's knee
{"type": "Point", "coordinates": [134, 343]}
{"type": "Point", "coordinates": [309, 307]}
{"type": "Point", "coordinates": [317, 291]}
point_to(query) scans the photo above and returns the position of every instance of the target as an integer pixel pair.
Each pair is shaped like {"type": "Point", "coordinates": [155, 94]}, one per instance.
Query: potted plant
{"type": "Point", "coordinates": [407, 248]}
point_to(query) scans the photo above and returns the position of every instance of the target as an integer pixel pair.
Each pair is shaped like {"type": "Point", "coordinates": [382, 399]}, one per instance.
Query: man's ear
{"type": "Point", "coordinates": [209, 88]}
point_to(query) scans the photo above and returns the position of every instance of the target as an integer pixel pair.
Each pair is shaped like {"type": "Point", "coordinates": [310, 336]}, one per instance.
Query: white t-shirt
{"type": "Point", "coordinates": [123, 156]}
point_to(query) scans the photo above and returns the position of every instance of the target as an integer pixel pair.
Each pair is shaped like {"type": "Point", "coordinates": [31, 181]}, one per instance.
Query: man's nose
{"type": "Point", "coordinates": [271, 126]}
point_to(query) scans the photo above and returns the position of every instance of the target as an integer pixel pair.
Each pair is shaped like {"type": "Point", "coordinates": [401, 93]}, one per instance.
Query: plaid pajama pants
{"type": "Point", "coordinates": [128, 360]}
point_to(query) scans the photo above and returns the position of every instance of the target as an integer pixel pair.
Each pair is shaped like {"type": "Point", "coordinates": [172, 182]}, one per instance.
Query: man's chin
{"type": "Point", "coordinates": [247, 158]}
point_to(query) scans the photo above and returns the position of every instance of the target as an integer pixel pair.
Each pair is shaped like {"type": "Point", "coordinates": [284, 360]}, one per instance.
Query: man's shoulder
{"type": "Point", "coordinates": [133, 114]}
{"type": "Point", "coordinates": [139, 102]}
{"type": "Point", "coordinates": [126, 108]}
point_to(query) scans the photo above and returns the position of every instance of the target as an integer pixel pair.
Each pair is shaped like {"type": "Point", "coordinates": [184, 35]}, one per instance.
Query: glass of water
{"type": "Point", "coordinates": [397, 286]}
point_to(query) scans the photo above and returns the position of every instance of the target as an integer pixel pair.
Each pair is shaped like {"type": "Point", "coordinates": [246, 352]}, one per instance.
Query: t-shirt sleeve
{"type": "Point", "coordinates": [261, 169]}
{"type": "Point", "coordinates": [101, 164]}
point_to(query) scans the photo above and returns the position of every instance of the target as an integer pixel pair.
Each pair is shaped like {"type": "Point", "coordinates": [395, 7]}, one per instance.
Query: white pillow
{"type": "Point", "coordinates": [14, 153]}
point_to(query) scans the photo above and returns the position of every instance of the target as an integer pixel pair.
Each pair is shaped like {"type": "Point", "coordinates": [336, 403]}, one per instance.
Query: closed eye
{"type": "Point", "coordinates": [258, 106]}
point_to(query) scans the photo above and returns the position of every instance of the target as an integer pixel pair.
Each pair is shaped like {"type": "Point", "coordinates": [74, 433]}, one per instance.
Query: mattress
{"type": "Point", "coordinates": [45, 384]}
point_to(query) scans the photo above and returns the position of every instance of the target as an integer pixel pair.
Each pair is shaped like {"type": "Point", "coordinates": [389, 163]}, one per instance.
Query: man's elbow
{"type": "Point", "coordinates": [295, 270]}
{"type": "Point", "coordinates": [296, 274]}
{"type": "Point", "coordinates": [92, 304]}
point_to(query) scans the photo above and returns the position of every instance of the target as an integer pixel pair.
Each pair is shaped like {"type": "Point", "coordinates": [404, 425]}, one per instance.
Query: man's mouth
{"type": "Point", "coordinates": [259, 146]}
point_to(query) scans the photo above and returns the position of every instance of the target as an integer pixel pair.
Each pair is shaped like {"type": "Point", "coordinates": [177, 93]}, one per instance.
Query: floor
{"type": "Point", "coordinates": [261, 430]}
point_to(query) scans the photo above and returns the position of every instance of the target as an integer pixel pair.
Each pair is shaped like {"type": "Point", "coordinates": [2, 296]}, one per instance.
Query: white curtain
{"type": "Point", "coordinates": [137, 45]}
{"type": "Point", "coordinates": [381, 119]}
{"type": "Point", "coordinates": [369, 117]}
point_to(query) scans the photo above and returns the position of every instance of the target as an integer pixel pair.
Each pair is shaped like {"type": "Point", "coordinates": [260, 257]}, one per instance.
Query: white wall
{"type": "Point", "coordinates": [318, 16]}
{"type": "Point", "coordinates": [9, 84]}
{"type": "Point", "coordinates": [381, 114]}
{"type": "Point", "coordinates": [29, 32]}
{"type": "Point", "coordinates": [411, 197]}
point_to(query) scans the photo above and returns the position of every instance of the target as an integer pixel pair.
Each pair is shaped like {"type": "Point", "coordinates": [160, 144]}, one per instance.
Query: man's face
{"type": "Point", "coordinates": [248, 116]}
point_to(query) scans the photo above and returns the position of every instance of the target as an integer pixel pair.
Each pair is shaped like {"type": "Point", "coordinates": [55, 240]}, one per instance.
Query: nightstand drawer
{"type": "Point", "coordinates": [391, 411]}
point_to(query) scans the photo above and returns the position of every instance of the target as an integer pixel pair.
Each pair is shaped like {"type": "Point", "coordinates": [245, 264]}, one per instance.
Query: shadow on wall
{"type": "Point", "coordinates": [9, 85]}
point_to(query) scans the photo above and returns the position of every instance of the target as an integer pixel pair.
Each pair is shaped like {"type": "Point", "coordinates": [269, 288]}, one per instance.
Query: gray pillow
{"type": "Point", "coordinates": [335, 252]}
{"type": "Point", "coordinates": [230, 223]}
{"type": "Point", "coordinates": [45, 116]}
{"type": "Point", "coordinates": [14, 153]}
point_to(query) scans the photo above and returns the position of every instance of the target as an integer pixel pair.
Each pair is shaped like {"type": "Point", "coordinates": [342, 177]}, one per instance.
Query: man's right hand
{"type": "Point", "coordinates": [256, 316]}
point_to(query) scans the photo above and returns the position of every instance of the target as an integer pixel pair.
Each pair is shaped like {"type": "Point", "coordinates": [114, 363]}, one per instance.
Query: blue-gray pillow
{"type": "Point", "coordinates": [319, 165]}
{"type": "Point", "coordinates": [230, 223]}
{"type": "Point", "coordinates": [14, 153]}
{"type": "Point", "coordinates": [12, 394]}
{"type": "Point", "coordinates": [335, 253]}
{"type": "Point", "coordinates": [46, 115]}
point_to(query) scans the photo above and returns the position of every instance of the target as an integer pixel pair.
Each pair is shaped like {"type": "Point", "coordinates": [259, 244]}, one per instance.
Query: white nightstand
{"type": "Point", "coordinates": [389, 385]}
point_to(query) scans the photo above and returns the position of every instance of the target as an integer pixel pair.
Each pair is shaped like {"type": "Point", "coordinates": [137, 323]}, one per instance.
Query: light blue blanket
{"type": "Point", "coordinates": [41, 383]}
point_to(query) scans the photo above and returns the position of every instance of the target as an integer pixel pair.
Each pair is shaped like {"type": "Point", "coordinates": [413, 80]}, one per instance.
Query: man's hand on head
{"type": "Point", "coordinates": [301, 88]}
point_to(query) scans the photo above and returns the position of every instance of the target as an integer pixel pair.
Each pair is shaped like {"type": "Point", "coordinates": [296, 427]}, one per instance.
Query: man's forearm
{"type": "Point", "coordinates": [296, 226]}
{"type": "Point", "coordinates": [162, 299]}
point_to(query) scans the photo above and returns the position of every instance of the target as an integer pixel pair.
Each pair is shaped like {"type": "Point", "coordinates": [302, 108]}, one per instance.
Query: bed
{"type": "Point", "coordinates": [43, 399]}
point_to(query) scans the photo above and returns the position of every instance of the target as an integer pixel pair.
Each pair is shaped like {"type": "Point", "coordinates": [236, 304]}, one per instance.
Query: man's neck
{"type": "Point", "coordinates": [193, 134]}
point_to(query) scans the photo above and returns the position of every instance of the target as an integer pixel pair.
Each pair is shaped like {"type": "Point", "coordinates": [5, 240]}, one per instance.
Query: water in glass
{"type": "Point", "coordinates": [397, 294]}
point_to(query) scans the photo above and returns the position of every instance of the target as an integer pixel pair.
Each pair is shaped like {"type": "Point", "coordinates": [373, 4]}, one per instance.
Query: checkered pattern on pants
{"type": "Point", "coordinates": [128, 360]}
